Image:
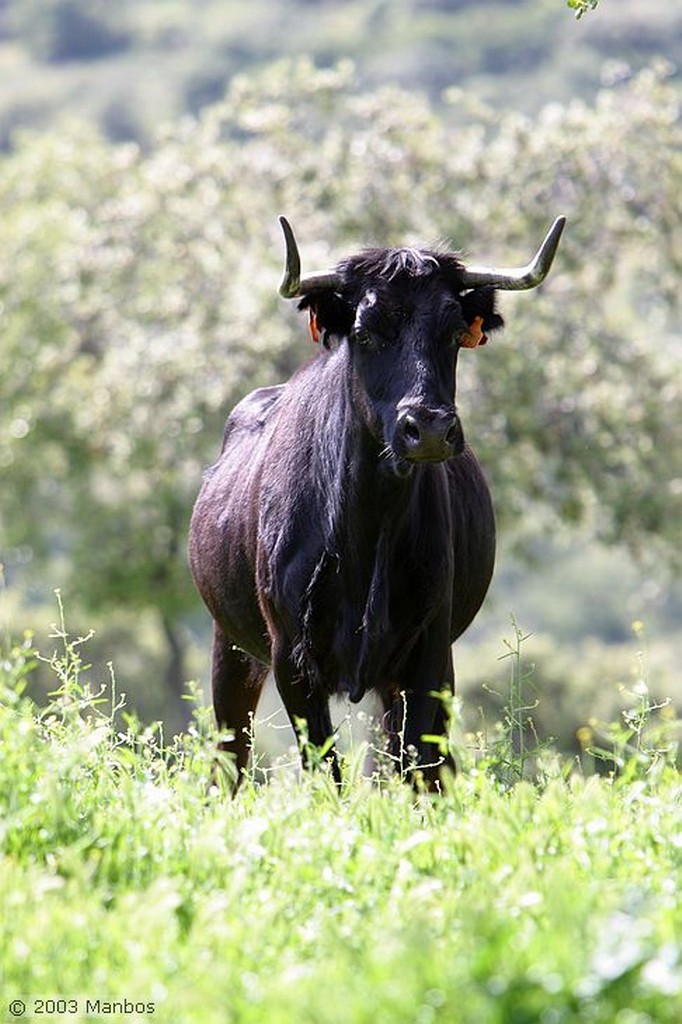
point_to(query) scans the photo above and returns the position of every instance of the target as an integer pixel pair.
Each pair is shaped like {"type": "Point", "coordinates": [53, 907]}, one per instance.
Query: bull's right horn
{"type": "Point", "coordinates": [519, 278]}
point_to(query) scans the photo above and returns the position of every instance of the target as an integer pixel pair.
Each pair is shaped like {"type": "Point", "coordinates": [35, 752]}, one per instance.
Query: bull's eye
{"type": "Point", "coordinates": [362, 336]}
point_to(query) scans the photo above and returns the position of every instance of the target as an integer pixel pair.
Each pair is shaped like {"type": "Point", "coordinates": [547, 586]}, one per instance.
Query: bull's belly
{"type": "Point", "coordinates": [224, 577]}
{"type": "Point", "coordinates": [243, 624]}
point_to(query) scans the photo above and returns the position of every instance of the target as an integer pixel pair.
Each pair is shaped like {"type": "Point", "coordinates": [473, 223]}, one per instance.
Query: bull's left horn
{"type": "Point", "coordinates": [519, 278]}
{"type": "Point", "coordinates": [292, 286]}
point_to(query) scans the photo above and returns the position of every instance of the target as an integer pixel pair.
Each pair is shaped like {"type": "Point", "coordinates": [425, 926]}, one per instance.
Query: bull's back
{"type": "Point", "coordinates": [223, 528]}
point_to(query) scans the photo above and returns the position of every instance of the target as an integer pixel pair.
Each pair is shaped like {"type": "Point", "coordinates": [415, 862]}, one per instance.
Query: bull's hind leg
{"type": "Point", "coordinates": [237, 681]}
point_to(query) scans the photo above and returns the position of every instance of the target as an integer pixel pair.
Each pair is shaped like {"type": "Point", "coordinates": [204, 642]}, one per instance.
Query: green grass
{"type": "Point", "coordinates": [125, 876]}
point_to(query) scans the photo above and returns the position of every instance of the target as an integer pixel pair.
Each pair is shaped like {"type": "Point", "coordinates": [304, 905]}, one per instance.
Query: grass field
{"type": "Point", "coordinates": [131, 889]}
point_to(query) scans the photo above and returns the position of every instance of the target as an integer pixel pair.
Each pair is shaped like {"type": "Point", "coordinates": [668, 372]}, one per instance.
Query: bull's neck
{"type": "Point", "coordinates": [370, 506]}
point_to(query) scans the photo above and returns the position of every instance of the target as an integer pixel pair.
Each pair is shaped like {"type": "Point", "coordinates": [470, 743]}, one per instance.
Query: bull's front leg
{"type": "Point", "coordinates": [418, 710]}
{"type": "Point", "coordinates": [307, 708]}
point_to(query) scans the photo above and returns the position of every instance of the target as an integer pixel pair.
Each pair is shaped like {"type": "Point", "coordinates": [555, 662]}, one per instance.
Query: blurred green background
{"type": "Point", "coordinates": [147, 149]}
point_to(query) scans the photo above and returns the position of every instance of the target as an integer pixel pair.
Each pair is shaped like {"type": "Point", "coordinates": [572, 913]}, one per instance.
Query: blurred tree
{"type": "Point", "coordinates": [124, 336]}
{"type": "Point", "coordinates": [138, 303]}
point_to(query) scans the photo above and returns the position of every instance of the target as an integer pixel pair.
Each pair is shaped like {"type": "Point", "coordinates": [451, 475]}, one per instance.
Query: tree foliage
{"type": "Point", "coordinates": [582, 6]}
{"type": "Point", "coordinates": [138, 303]}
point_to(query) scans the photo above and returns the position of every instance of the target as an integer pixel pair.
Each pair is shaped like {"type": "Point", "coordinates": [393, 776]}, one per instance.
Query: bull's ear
{"type": "Point", "coordinates": [328, 315]}
{"type": "Point", "coordinates": [480, 314]}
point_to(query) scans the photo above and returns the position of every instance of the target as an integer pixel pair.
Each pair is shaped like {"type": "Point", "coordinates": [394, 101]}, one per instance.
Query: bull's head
{"type": "Point", "coordinates": [405, 314]}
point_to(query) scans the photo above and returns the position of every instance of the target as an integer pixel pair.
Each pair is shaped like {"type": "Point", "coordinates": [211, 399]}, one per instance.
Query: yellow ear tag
{"type": "Point", "coordinates": [474, 336]}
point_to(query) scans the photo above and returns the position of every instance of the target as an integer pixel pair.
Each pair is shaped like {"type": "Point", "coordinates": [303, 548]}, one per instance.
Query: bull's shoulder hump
{"type": "Point", "coordinates": [251, 414]}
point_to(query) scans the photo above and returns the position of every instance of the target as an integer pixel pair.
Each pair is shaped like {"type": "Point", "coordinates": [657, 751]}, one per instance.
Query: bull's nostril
{"type": "Point", "coordinates": [411, 430]}
{"type": "Point", "coordinates": [452, 435]}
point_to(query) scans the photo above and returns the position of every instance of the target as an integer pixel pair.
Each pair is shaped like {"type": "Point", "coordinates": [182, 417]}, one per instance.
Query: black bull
{"type": "Point", "coordinates": [346, 535]}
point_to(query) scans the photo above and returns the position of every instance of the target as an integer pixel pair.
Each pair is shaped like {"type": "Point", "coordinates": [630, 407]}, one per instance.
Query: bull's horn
{"type": "Point", "coordinates": [292, 286]}
{"type": "Point", "coordinates": [519, 278]}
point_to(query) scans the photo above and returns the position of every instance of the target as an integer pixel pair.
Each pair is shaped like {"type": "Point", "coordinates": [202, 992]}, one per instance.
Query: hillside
{"type": "Point", "coordinates": [141, 64]}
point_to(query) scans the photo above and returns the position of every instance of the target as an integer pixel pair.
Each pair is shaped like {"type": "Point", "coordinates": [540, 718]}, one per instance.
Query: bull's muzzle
{"type": "Point", "coordinates": [426, 435]}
